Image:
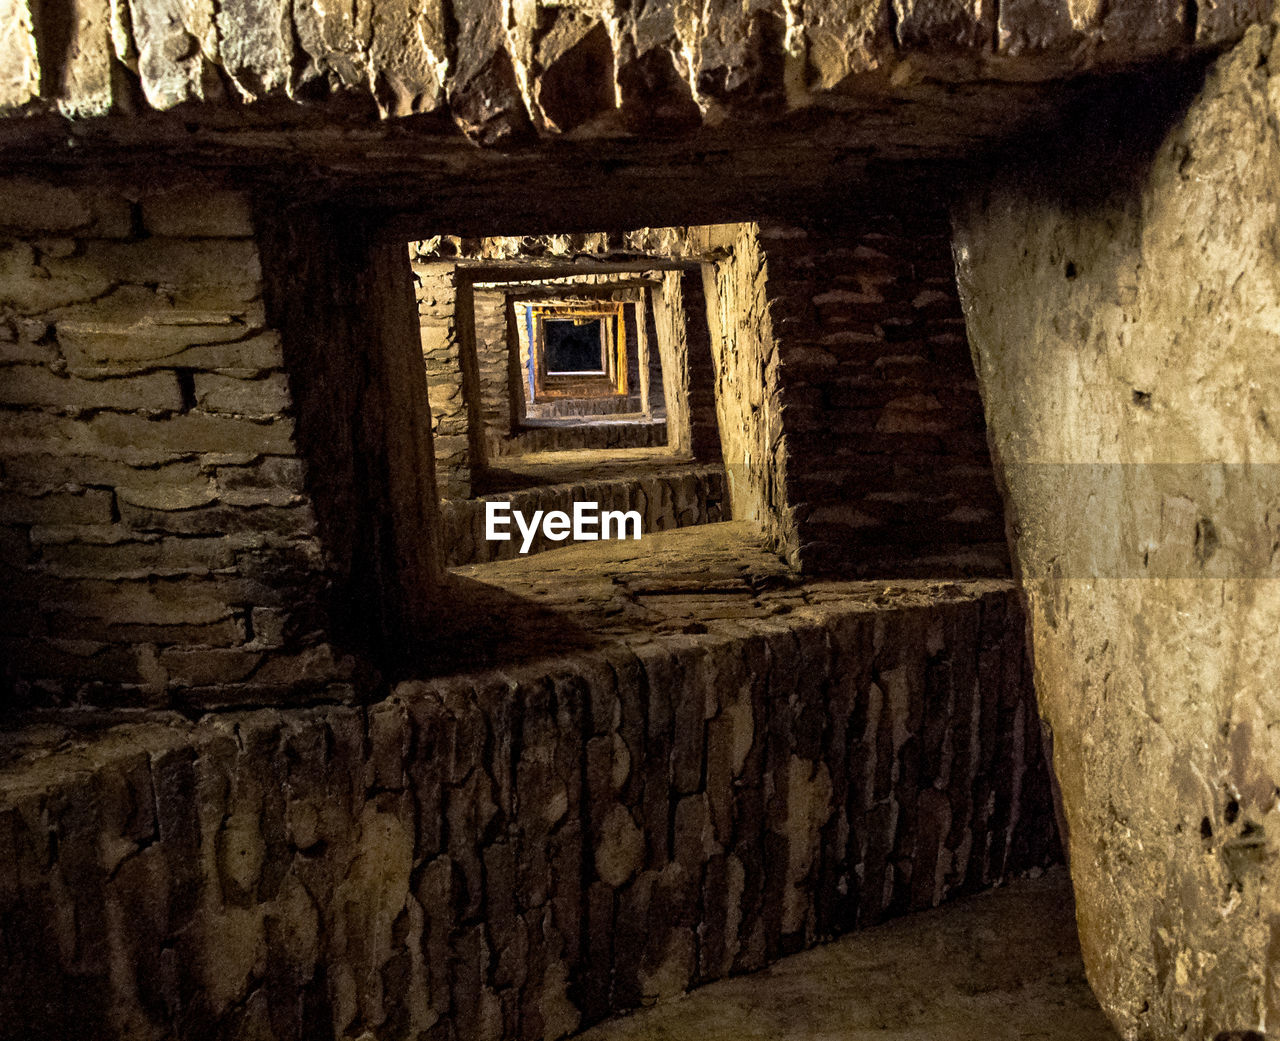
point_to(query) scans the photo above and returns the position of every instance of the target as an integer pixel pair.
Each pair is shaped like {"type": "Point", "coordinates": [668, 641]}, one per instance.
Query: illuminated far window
{"type": "Point", "coordinates": [575, 347]}
{"type": "Point", "coordinates": [578, 349]}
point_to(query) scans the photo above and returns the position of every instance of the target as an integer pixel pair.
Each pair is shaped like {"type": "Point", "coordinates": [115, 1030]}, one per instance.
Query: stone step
{"type": "Point", "coordinates": [549, 435]}
{"type": "Point", "coordinates": [665, 498]}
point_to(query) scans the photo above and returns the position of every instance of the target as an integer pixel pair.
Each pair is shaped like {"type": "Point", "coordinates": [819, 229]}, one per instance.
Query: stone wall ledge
{"type": "Point", "coordinates": [518, 853]}
{"type": "Point", "coordinates": [676, 497]}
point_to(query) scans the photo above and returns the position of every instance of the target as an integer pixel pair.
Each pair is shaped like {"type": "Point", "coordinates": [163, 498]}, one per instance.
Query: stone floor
{"type": "Point", "coordinates": [999, 966]}
{"type": "Point", "coordinates": [712, 578]}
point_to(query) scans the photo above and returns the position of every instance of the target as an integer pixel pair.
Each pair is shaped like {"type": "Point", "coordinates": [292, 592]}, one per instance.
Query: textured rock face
{"type": "Point", "coordinates": [504, 71]}
{"type": "Point", "coordinates": [1127, 351]}
{"type": "Point", "coordinates": [503, 65]}
{"type": "Point", "coordinates": [515, 854]}
{"type": "Point", "coordinates": [163, 539]}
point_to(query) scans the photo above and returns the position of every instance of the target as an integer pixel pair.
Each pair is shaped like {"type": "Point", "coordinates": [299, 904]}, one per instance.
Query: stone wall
{"type": "Point", "coordinates": [517, 854]}
{"type": "Point", "coordinates": [746, 372]}
{"type": "Point", "coordinates": [159, 541]}
{"type": "Point", "coordinates": [681, 324]}
{"type": "Point", "coordinates": [165, 538]}
{"type": "Point", "coordinates": [883, 454]}
{"type": "Point", "coordinates": [1120, 295]}
{"type": "Point", "coordinates": [451, 406]}
{"type": "Point", "coordinates": [497, 411]}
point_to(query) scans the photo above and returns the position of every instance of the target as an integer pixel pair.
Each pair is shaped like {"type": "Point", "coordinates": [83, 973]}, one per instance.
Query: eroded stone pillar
{"type": "Point", "coordinates": [1127, 342]}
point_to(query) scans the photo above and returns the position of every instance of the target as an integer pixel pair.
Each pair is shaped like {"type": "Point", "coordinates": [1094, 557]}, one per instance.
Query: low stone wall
{"type": "Point", "coordinates": [517, 854]}
{"type": "Point", "coordinates": [664, 501]}
{"type": "Point", "coordinates": [571, 435]}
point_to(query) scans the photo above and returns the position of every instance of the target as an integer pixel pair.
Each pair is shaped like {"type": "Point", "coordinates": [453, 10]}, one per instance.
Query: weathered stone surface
{"type": "Point", "coordinates": [197, 213]}
{"type": "Point", "coordinates": [18, 56]}
{"type": "Point", "coordinates": [171, 43]}
{"type": "Point", "coordinates": [151, 490]}
{"type": "Point", "coordinates": [255, 45]}
{"type": "Point", "coordinates": [1129, 375]}
{"type": "Point", "coordinates": [504, 70]}
{"type": "Point", "coordinates": [258, 398]}
{"type": "Point", "coordinates": [418, 865]}
{"type": "Point", "coordinates": [410, 55]}
{"type": "Point", "coordinates": [85, 73]}
{"type": "Point", "coordinates": [843, 40]}
{"type": "Point", "coordinates": [34, 385]}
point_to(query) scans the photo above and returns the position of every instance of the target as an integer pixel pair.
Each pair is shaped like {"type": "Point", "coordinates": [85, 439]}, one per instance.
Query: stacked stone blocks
{"type": "Point", "coordinates": [886, 462]}
{"type": "Point", "coordinates": [158, 538]}
{"type": "Point", "coordinates": [516, 854]}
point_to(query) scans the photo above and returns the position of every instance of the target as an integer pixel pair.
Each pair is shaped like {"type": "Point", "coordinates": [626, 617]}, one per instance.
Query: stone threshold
{"type": "Point", "coordinates": [666, 496]}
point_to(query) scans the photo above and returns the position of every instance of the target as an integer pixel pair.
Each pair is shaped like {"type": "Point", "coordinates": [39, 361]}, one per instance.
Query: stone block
{"type": "Point", "coordinates": [137, 341]}
{"type": "Point", "coordinates": [29, 206]}
{"type": "Point", "coordinates": [620, 847]}
{"type": "Point", "coordinates": [140, 440]}
{"type": "Point", "coordinates": [270, 481]}
{"type": "Point", "coordinates": [197, 212]}
{"type": "Point", "coordinates": [205, 666]}
{"type": "Point", "coordinates": [131, 560]}
{"type": "Point", "coordinates": [19, 55]}
{"type": "Point", "coordinates": [30, 288]}
{"type": "Point", "coordinates": [35, 385]}
{"type": "Point", "coordinates": [221, 520]}
{"type": "Point", "coordinates": [262, 397]}
{"type": "Point", "coordinates": [141, 603]}
{"type": "Point", "coordinates": [171, 58]}
{"type": "Point", "coordinates": [228, 263]}
{"type": "Point", "coordinates": [88, 506]}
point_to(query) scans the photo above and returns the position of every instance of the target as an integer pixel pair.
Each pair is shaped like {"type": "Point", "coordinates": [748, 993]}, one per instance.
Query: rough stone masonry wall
{"type": "Point", "coordinates": [1123, 321]}
{"type": "Point", "coordinates": [517, 854]}
{"type": "Point", "coordinates": [437, 293]}
{"type": "Point", "coordinates": [177, 513]}
{"type": "Point", "coordinates": [744, 355]}
{"type": "Point", "coordinates": [884, 459]}
{"type": "Point", "coordinates": [497, 412]}
{"type": "Point", "coordinates": [157, 542]}
{"type": "Point", "coordinates": [553, 68]}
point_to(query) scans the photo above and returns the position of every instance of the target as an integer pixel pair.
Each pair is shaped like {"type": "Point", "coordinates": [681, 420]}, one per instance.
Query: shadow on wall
{"type": "Point", "coordinates": [1104, 139]}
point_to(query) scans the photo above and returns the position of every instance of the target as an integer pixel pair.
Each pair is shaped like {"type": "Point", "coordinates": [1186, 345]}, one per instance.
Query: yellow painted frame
{"type": "Point", "coordinates": [610, 383]}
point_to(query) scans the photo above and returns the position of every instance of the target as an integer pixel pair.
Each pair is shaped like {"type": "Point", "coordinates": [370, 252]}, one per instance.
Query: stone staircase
{"type": "Point", "coordinates": [668, 492]}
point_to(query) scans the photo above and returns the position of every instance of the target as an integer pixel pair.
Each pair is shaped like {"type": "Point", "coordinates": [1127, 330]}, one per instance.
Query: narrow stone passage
{"type": "Point", "coordinates": [1004, 964]}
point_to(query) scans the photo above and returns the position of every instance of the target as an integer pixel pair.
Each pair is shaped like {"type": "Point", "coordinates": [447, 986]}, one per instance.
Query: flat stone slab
{"type": "Point", "coordinates": [1001, 965]}
{"type": "Point", "coordinates": [718, 579]}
